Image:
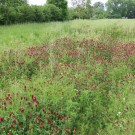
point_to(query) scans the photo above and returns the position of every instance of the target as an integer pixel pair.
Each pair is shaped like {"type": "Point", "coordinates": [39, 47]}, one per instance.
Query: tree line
{"type": "Point", "coordinates": [99, 10]}
{"type": "Point", "coordinates": [19, 11]}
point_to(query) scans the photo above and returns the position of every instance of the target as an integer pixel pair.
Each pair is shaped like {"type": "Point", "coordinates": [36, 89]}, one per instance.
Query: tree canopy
{"type": "Point", "coordinates": [13, 3]}
{"type": "Point", "coordinates": [121, 8]}
{"type": "Point", "coordinates": [98, 10]}
{"type": "Point", "coordinates": [62, 4]}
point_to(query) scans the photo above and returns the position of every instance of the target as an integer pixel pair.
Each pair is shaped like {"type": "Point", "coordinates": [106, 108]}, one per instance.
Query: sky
{"type": "Point", "coordinates": [42, 2]}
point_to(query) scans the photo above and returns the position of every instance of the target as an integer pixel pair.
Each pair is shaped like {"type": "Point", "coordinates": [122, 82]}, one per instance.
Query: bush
{"type": "Point", "coordinates": [26, 13]}
{"type": "Point", "coordinates": [52, 13]}
{"type": "Point", "coordinates": [78, 12]}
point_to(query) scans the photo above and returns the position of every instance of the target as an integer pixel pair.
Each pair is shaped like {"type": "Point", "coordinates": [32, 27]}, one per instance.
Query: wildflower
{"type": "Point", "coordinates": [44, 110]}
{"type": "Point", "coordinates": [22, 109]}
{"type": "Point", "coordinates": [10, 101]}
{"type": "Point", "coordinates": [58, 130]}
{"type": "Point", "coordinates": [4, 103]}
{"type": "Point", "coordinates": [1, 119]}
{"type": "Point", "coordinates": [29, 103]}
{"type": "Point", "coordinates": [37, 102]}
{"type": "Point", "coordinates": [8, 94]}
{"type": "Point", "coordinates": [7, 98]}
{"type": "Point", "coordinates": [119, 113]}
{"type": "Point", "coordinates": [14, 121]}
{"type": "Point", "coordinates": [11, 114]}
{"type": "Point", "coordinates": [34, 98]}
{"type": "Point", "coordinates": [11, 125]}
{"type": "Point", "coordinates": [30, 127]}
{"type": "Point", "coordinates": [25, 87]}
{"type": "Point", "coordinates": [74, 132]}
{"type": "Point", "coordinates": [49, 122]}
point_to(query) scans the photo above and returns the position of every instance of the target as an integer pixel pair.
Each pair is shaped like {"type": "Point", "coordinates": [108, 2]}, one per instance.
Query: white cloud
{"type": "Point", "coordinates": [42, 2]}
{"type": "Point", "coordinates": [37, 2]}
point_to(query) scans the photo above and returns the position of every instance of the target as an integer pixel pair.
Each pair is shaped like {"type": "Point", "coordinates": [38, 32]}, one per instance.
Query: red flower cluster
{"type": "Point", "coordinates": [1, 119]}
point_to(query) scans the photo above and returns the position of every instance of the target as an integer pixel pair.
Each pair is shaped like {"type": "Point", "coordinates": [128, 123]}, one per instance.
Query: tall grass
{"type": "Point", "coordinates": [24, 35]}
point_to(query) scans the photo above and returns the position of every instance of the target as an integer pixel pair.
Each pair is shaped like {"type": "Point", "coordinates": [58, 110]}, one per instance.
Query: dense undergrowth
{"type": "Point", "coordinates": [82, 87]}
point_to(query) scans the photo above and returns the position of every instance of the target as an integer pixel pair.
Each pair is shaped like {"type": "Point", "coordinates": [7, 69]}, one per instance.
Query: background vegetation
{"type": "Point", "coordinates": [19, 11]}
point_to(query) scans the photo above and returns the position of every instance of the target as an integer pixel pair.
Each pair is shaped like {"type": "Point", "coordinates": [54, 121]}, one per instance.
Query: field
{"type": "Point", "coordinates": [68, 78]}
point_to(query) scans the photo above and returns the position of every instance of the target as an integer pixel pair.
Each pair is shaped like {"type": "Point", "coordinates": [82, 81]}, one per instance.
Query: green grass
{"type": "Point", "coordinates": [24, 35]}
{"type": "Point", "coordinates": [67, 78]}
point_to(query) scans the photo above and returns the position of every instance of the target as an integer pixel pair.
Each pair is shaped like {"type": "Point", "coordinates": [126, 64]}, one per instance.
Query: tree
{"type": "Point", "coordinates": [62, 4]}
{"type": "Point", "coordinates": [98, 10]}
{"type": "Point", "coordinates": [131, 9]}
{"type": "Point", "coordinates": [12, 3]}
{"type": "Point", "coordinates": [9, 9]}
{"type": "Point", "coordinates": [89, 8]}
{"type": "Point", "coordinates": [37, 13]}
{"type": "Point", "coordinates": [82, 8]}
{"type": "Point", "coordinates": [52, 13]}
{"type": "Point", "coordinates": [121, 8]}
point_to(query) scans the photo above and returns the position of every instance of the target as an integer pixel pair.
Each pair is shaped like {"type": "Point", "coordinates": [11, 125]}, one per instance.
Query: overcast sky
{"type": "Point", "coordinates": [42, 2]}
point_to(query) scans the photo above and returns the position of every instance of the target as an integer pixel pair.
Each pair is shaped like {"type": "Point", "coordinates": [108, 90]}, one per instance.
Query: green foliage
{"type": "Point", "coordinates": [24, 13]}
{"type": "Point", "coordinates": [79, 13]}
{"type": "Point", "coordinates": [80, 10]}
{"type": "Point", "coordinates": [53, 13]}
{"type": "Point", "coordinates": [121, 8]}
{"type": "Point", "coordinates": [27, 13]}
{"type": "Point", "coordinates": [98, 10]}
{"type": "Point", "coordinates": [9, 10]}
{"type": "Point", "coordinates": [38, 13]}
{"type": "Point", "coordinates": [13, 3]}
{"type": "Point", "coordinates": [18, 11]}
{"type": "Point", "coordinates": [131, 9]}
{"type": "Point", "coordinates": [62, 4]}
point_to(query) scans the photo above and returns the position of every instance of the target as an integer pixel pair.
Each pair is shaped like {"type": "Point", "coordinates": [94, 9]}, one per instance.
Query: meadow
{"type": "Point", "coordinates": [68, 78]}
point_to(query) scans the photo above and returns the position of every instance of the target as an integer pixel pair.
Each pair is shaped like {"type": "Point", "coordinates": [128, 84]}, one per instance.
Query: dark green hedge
{"type": "Point", "coordinates": [26, 13]}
